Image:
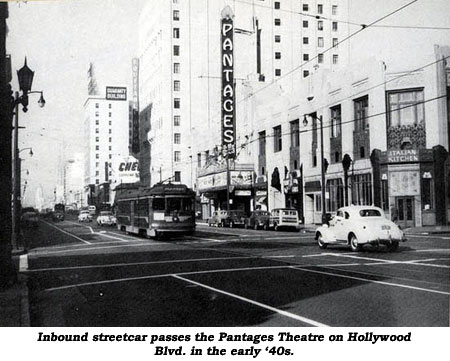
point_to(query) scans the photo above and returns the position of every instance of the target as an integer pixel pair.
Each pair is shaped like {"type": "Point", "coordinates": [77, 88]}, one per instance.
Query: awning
{"type": "Point", "coordinates": [313, 186]}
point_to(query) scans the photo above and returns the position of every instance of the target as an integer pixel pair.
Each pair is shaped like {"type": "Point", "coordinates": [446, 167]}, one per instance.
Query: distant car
{"type": "Point", "coordinates": [106, 218]}
{"type": "Point", "coordinates": [258, 219]}
{"type": "Point", "coordinates": [357, 226]}
{"type": "Point", "coordinates": [30, 219]}
{"type": "Point", "coordinates": [284, 218]}
{"type": "Point", "coordinates": [58, 216]}
{"type": "Point", "coordinates": [227, 219]}
{"type": "Point", "coordinates": [84, 216]}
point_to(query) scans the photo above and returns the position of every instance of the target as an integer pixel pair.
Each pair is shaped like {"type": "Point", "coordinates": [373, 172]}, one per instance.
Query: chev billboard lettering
{"type": "Point", "coordinates": [228, 99]}
{"type": "Point", "coordinates": [116, 93]}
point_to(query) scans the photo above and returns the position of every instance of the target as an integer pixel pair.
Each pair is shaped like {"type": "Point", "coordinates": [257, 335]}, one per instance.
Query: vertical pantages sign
{"type": "Point", "coordinates": [228, 98]}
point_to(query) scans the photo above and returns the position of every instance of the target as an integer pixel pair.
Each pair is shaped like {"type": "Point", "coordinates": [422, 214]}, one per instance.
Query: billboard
{"type": "Point", "coordinates": [125, 170]}
{"type": "Point", "coordinates": [228, 99]}
{"type": "Point", "coordinates": [116, 93]}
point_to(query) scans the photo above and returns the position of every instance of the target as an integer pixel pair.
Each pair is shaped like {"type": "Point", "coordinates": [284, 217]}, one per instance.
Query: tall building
{"type": "Point", "coordinates": [106, 141]}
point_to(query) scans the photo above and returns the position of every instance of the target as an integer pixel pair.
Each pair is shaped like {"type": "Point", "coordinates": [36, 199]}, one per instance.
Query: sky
{"type": "Point", "coordinates": [60, 38]}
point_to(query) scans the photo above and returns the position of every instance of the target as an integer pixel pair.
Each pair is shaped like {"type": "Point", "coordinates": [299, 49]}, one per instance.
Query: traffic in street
{"type": "Point", "coordinates": [82, 274]}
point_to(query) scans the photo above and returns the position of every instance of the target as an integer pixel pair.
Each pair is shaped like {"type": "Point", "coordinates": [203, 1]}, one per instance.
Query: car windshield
{"type": "Point", "coordinates": [106, 213]}
{"type": "Point", "coordinates": [84, 212]}
{"type": "Point", "coordinates": [370, 213]}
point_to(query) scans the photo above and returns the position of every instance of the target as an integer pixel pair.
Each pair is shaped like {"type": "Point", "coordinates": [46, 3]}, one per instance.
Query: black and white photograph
{"type": "Point", "coordinates": [225, 165]}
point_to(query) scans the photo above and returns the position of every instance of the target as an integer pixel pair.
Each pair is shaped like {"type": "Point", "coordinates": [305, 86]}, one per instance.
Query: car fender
{"type": "Point", "coordinates": [327, 233]}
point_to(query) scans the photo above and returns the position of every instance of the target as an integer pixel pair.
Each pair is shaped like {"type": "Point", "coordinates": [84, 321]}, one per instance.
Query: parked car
{"type": "Point", "coordinates": [106, 218]}
{"type": "Point", "coordinates": [227, 219]}
{"type": "Point", "coordinates": [84, 216]}
{"type": "Point", "coordinates": [257, 219]}
{"type": "Point", "coordinates": [30, 219]}
{"type": "Point", "coordinates": [357, 226]}
{"type": "Point", "coordinates": [283, 218]}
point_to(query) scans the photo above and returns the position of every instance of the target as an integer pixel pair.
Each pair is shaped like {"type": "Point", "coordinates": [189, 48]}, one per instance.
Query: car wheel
{"type": "Point", "coordinates": [354, 243]}
{"type": "Point", "coordinates": [393, 246]}
{"type": "Point", "coordinates": [320, 242]}
{"type": "Point", "coordinates": [255, 226]}
{"type": "Point", "coordinates": [266, 227]}
{"type": "Point", "coordinates": [275, 227]}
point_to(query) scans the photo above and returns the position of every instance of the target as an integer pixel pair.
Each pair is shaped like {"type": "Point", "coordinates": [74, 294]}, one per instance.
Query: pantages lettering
{"type": "Point", "coordinates": [228, 100]}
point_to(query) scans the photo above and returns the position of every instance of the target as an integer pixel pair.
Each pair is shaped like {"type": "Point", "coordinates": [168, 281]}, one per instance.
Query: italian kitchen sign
{"type": "Point", "coordinates": [116, 93]}
{"type": "Point", "coordinates": [402, 156]}
{"type": "Point", "coordinates": [228, 98]}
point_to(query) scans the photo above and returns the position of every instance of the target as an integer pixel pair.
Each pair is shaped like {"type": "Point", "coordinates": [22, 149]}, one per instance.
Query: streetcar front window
{"type": "Point", "coordinates": [173, 204]}
{"type": "Point", "coordinates": [187, 204]}
{"type": "Point", "coordinates": [158, 204]}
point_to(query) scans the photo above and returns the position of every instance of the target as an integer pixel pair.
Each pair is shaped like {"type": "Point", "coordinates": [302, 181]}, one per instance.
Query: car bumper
{"type": "Point", "coordinates": [385, 241]}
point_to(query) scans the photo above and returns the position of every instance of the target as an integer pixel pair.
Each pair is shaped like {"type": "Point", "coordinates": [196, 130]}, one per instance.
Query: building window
{"type": "Point", "coordinates": [406, 108]}
{"type": "Point", "coordinates": [110, 106]}
{"type": "Point", "coordinates": [97, 130]}
{"type": "Point", "coordinates": [97, 173]}
{"type": "Point", "coordinates": [305, 73]}
{"type": "Point", "coordinates": [320, 25]}
{"type": "Point", "coordinates": [176, 68]}
{"type": "Point", "coordinates": [97, 139]}
{"type": "Point", "coordinates": [277, 22]}
{"type": "Point", "coordinates": [336, 121]}
{"type": "Point", "coordinates": [110, 147]}
{"type": "Point", "coordinates": [97, 164]}
{"type": "Point", "coordinates": [320, 58]}
{"type": "Point", "coordinates": [110, 122]}
{"type": "Point", "coordinates": [262, 143]}
{"type": "Point", "coordinates": [176, 156]}
{"type": "Point", "coordinates": [276, 5]}
{"type": "Point", "coordinates": [176, 33]}
{"type": "Point", "coordinates": [199, 160]}
{"type": "Point", "coordinates": [97, 114]}
{"type": "Point", "coordinates": [110, 131]}
{"type": "Point", "coordinates": [110, 139]}
{"type": "Point", "coordinates": [334, 26]}
{"type": "Point", "coordinates": [361, 107]}
{"type": "Point", "coordinates": [177, 176]}
{"type": "Point", "coordinates": [305, 7]}
{"type": "Point", "coordinates": [362, 189]}
{"type": "Point", "coordinates": [110, 156]}
{"type": "Point", "coordinates": [177, 138]}
{"type": "Point", "coordinates": [319, 9]}
{"type": "Point", "coordinates": [277, 139]}
{"type": "Point", "coordinates": [305, 23]}
{"type": "Point", "coordinates": [97, 156]}
{"type": "Point", "coordinates": [277, 55]}
{"type": "Point", "coordinates": [295, 134]}
{"type": "Point", "coordinates": [277, 72]}
{"type": "Point", "coordinates": [176, 15]}
{"type": "Point", "coordinates": [176, 85]}
{"type": "Point", "coordinates": [335, 58]}
{"type": "Point", "coordinates": [97, 105]}
{"type": "Point", "coordinates": [97, 181]}
{"type": "Point", "coordinates": [97, 122]}
{"type": "Point", "coordinates": [334, 10]}
{"type": "Point", "coordinates": [176, 103]}
{"type": "Point", "coordinates": [320, 42]}
{"type": "Point", "coordinates": [277, 38]}
{"type": "Point", "coordinates": [176, 120]}
{"type": "Point", "coordinates": [335, 190]}
{"type": "Point", "coordinates": [97, 147]}
{"type": "Point", "coordinates": [335, 42]}
{"type": "Point", "coordinates": [305, 57]}
{"type": "Point", "coordinates": [176, 50]}
{"type": "Point", "coordinates": [305, 40]}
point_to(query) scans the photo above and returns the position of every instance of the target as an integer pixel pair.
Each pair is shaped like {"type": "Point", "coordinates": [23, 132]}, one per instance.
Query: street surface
{"type": "Point", "coordinates": [81, 274]}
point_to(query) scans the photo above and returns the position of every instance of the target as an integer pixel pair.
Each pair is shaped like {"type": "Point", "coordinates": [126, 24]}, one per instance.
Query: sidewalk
{"type": "Point", "coordinates": [14, 306]}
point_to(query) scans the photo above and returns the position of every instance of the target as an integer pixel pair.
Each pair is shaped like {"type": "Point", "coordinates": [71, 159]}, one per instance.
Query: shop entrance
{"type": "Point", "coordinates": [405, 207]}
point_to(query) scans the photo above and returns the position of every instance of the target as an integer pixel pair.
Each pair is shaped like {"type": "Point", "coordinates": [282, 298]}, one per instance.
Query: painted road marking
{"type": "Point", "coordinates": [23, 263]}
{"type": "Point", "coordinates": [259, 304]}
{"type": "Point", "coordinates": [244, 269]}
{"type": "Point", "coordinates": [138, 263]}
{"type": "Point", "coordinates": [70, 234]}
{"type": "Point", "coordinates": [371, 281]}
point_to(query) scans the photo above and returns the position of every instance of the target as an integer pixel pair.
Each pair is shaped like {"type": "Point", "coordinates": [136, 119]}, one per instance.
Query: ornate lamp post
{"type": "Point", "coordinates": [25, 76]}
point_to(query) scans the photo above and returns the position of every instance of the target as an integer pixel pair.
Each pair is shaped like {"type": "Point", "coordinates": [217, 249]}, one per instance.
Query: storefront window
{"type": "Point", "coordinates": [427, 192]}
{"type": "Point", "coordinates": [362, 189]}
{"type": "Point", "coordinates": [384, 195]}
{"type": "Point", "coordinates": [335, 189]}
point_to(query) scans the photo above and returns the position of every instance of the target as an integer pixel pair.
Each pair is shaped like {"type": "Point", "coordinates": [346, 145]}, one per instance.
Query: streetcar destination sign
{"type": "Point", "coordinates": [228, 99]}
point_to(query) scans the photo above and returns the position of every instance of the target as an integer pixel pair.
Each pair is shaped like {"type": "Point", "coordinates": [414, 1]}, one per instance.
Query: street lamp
{"type": "Point", "coordinates": [322, 161]}
{"type": "Point", "coordinates": [25, 76]}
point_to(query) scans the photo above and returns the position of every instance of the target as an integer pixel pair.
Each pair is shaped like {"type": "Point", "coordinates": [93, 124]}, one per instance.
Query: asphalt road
{"type": "Point", "coordinates": [85, 275]}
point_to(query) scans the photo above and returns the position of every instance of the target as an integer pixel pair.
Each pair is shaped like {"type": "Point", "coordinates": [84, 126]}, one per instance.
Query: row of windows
{"type": "Point", "coordinates": [97, 147]}
{"type": "Point", "coordinates": [97, 130]}
{"type": "Point", "coordinates": [334, 24]}
{"type": "Point", "coordinates": [97, 122]}
{"type": "Point", "coordinates": [97, 105]}
{"type": "Point", "coordinates": [97, 156]}
{"type": "Point", "coordinates": [97, 114]}
{"type": "Point", "coordinates": [334, 8]}
{"type": "Point", "coordinates": [97, 139]}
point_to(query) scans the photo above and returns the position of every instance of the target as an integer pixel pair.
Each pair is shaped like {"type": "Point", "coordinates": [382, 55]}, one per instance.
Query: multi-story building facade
{"type": "Point", "coordinates": [106, 142]}
{"type": "Point", "coordinates": [291, 59]}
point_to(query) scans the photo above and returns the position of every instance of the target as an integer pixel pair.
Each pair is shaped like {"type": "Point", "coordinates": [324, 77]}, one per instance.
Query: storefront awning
{"type": "Point", "coordinates": [313, 186]}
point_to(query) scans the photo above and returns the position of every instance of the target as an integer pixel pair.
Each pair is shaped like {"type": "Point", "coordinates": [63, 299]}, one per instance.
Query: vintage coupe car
{"type": "Point", "coordinates": [106, 218]}
{"type": "Point", "coordinates": [227, 219]}
{"type": "Point", "coordinates": [356, 226]}
{"type": "Point", "coordinates": [84, 216]}
{"type": "Point", "coordinates": [257, 219]}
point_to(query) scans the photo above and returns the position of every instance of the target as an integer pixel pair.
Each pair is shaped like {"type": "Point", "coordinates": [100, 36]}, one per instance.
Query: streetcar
{"type": "Point", "coordinates": [163, 209]}
{"type": "Point", "coordinates": [59, 212]}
